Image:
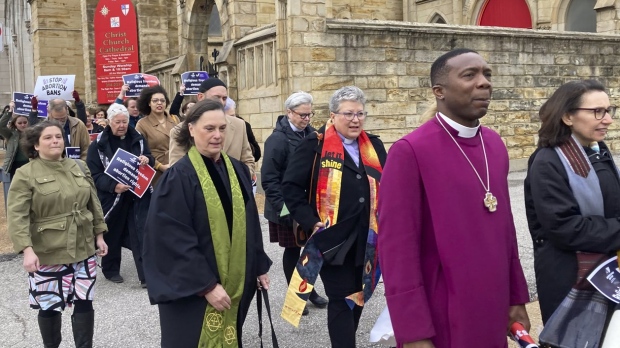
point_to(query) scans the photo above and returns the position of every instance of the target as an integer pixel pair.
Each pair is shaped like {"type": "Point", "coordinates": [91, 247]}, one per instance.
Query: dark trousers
{"type": "Point", "coordinates": [122, 233]}
{"type": "Point", "coordinates": [181, 322]}
{"type": "Point", "coordinates": [340, 282]}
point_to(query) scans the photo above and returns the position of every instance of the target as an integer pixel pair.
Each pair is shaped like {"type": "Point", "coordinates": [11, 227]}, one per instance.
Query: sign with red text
{"type": "Point", "coordinates": [125, 168]}
{"type": "Point", "coordinates": [116, 46]}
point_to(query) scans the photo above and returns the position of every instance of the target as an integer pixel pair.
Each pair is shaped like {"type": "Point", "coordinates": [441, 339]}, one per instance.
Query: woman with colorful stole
{"type": "Point", "coordinates": [203, 247]}
{"type": "Point", "coordinates": [571, 200]}
{"type": "Point", "coordinates": [331, 188]}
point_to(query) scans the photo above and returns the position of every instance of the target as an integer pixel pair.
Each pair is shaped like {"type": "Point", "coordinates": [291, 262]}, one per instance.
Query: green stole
{"type": "Point", "coordinates": [219, 329]}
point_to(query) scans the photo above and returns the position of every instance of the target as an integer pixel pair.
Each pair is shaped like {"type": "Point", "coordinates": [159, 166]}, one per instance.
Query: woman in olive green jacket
{"type": "Point", "coordinates": [55, 219]}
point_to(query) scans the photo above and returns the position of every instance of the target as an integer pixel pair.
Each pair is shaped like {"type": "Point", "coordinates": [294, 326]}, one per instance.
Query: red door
{"type": "Point", "coordinates": [506, 13]}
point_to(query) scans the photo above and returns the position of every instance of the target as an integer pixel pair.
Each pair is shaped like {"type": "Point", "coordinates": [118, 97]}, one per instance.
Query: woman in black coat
{"type": "Point", "coordinates": [343, 237]}
{"type": "Point", "coordinates": [125, 213]}
{"type": "Point", "coordinates": [572, 189]}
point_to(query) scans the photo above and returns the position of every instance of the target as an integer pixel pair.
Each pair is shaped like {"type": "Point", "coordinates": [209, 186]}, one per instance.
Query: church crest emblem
{"type": "Point", "coordinates": [125, 9]}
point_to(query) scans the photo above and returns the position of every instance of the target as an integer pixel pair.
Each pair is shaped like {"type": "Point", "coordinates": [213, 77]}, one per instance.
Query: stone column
{"type": "Point", "coordinates": [89, 95]}
{"type": "Point", "coordinates": [57, 39]}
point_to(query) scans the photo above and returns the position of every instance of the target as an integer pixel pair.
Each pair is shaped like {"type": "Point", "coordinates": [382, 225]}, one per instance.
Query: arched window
{"type": "Point", "coordinates": [215, 26]}
{"type": "Point", "coordinates": [506, 13]}
{"type": "Point", "coordinates": [581, 16]}
{"type": "Point", "coordinates": [437, 18]}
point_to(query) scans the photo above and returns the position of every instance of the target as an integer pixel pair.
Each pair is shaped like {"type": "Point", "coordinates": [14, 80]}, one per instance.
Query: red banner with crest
{"type": "Point", "coordinates": [116, 46]}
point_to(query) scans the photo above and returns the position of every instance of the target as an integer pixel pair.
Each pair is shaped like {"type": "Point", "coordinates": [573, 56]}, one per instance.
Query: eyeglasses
{"type": "Point", "coordinates": [308, 116]}
{"type": "Point", "coordinates": [599, 113]}
{"type": "Point", "coordinates": [349, 116]}
{"type": "Point", "coordinates": [157, 101]}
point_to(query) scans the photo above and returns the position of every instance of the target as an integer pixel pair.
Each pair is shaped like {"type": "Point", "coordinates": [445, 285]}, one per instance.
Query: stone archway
{"type": "Point", "coordinates": [437, 18]}
{"type": "Point", "coordinates": [204, 31]}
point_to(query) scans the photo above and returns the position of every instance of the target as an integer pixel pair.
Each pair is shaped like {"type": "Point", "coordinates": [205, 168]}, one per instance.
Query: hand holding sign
{"type": "Point", "coordinates": [34, 102]}
{"type": "Point", "coordinates": [130, 170]}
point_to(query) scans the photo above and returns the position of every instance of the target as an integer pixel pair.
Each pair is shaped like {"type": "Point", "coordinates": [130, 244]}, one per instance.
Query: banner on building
{"type": "Point", "coordinates": [125, 168]}
{"type": "Point", "coordinates": [55, 86]}
{"type": "Point", "coordinates": [192, 81]}
{"type": "Point", "coordinates": [116, 46]}
{"type": "Point", "coordinates": [138, 82]}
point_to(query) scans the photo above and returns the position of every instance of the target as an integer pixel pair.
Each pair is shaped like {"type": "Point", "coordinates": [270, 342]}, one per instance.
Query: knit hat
{"type": "Point", "coordinates": [210, 83]}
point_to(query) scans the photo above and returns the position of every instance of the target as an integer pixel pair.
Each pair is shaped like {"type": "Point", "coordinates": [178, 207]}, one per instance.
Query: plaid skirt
{"type": "Point", "coordinates": [54, 287]}
{"type": "Point", "coordinates": [283, 235]}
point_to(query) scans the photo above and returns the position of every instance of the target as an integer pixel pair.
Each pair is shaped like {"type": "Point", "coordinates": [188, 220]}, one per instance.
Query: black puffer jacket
{"type": "Point", "coordinates": [278, 146]}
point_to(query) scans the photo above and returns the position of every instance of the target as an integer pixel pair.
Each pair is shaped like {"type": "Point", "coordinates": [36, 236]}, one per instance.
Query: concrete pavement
{"type": "Point", "coordinates": [124, 317]}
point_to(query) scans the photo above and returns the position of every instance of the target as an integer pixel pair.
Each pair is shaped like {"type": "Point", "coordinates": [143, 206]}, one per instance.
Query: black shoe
{"type": "Point", "coordinates": [50, 330]}
{"type": "Point", "coordinates": [319, 301]}
{"type": "Point", "coordinates": [83, 325]}
{"type": "Point", "coordinates": [306, 311]}
{"type": "Point", "coordinates": [116, 278]}
{"type": "Point", "coordinates": [143, 284]}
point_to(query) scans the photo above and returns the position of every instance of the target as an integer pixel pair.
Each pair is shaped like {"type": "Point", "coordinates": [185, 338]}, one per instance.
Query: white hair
{"type": "Point", "coordinates": [348, 93]}
{"type": "Point", "coordinates": [230, 104]}
{"type": "Point", "coordinates": [117, 109]}
{"type": "Point", "coordinates": [296, 99]}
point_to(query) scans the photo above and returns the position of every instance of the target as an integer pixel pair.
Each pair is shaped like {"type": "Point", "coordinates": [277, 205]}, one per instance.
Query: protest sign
{"type": "Point", "coordinates": [42, 108]}
{"type": "Point", "coordinates": [125, 168]}
{"type": "Point", "coordinates": [73, 152]}
{"type": "Point", "coordinates": [54, 86]}
{"type": "Point", "coordinates": [192, 81]}
{"type": "Point", "coordinates": [93, 136]}
{"type": "Point", "coordinates": [116, 46]}
{"type": "Point", "coordinates": [138, 82]}
{"type": "Point", "coordinates": [22, 103]}
{"type": "Point", "coordinates": [606, 279]}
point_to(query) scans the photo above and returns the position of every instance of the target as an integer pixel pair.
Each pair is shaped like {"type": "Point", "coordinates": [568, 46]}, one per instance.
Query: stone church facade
{"type": "Point", "coordinates": [271, 48]}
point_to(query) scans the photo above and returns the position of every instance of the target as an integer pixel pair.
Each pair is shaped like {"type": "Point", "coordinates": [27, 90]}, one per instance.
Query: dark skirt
{"type": "Point", "coordinates": [283, 235]}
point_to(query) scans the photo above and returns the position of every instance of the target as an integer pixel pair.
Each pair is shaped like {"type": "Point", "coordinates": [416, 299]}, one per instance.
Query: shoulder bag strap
{"type": "Point", "coordinates": [81, 165]}
{"type": "Point", "coordinates": [259, 304]}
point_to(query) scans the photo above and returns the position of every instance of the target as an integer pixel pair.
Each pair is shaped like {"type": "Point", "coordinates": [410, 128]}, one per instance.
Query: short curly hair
{"type": "Point", "coordinates": [144, 100]}
{"type": "Point", "coordinates": [33, 134]}
{"type": "Point", "coordinates": [183, 137]}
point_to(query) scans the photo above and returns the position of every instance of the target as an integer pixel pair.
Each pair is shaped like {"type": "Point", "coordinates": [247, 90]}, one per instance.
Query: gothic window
{"type": "Point", "coordinates": [437, 18]}
{"type": "Point", "coordinates": [215, 26]}
{"type": "Point", "coordinates": [506, 13]}
{"type": "Point", "coordinates": [581, 16]}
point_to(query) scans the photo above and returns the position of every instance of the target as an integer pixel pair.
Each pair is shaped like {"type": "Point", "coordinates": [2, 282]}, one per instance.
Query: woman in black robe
{"type": "Point", "coordinates": [182, 249]}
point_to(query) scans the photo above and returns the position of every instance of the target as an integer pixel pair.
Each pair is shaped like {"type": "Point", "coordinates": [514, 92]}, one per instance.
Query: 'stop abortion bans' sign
{"type": "Point", "coordinates": [116, 46]}
{"type": "Point", "coordinates": [54, 86]}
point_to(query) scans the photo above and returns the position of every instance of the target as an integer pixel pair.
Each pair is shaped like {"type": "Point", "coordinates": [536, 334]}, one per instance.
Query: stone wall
{"type": "Point", "coordinates": [391, 61]}
{"type": "Point", "coordinates": [368, 9]}
{"type": "Point", "coordinates": [57, 39]}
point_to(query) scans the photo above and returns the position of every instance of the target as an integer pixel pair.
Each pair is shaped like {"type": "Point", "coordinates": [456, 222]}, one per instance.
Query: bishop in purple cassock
{"type": "Point", "coordinates": [448, 248]}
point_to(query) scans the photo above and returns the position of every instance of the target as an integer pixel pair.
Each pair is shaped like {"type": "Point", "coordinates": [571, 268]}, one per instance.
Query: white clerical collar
{"type": "Point", "coordinates": [347, 141]}
{"type": "Point", "coordinates": [464, 132]}
{"type": "Point", "coordinates": [295, 129]}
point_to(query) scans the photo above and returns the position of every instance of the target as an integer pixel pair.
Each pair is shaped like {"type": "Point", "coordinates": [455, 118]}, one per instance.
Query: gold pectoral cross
{"type": "Point", "coordinates": [490, 202]}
